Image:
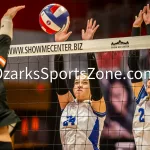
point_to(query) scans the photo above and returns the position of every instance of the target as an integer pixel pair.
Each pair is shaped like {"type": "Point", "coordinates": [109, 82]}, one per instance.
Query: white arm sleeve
{"type": "Point", "coordinates": [6, 26]}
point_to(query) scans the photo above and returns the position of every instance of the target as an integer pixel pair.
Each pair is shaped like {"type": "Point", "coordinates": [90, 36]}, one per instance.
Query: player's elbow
{"type": "Point", "coordinates": [99, 106]}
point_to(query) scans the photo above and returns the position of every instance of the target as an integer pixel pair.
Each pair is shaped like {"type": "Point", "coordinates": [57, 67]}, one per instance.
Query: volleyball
{"type": "Point", "coordinates": [53, 18]}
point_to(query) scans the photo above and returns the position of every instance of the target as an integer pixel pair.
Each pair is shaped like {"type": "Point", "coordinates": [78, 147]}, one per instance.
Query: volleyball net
{"type": "Point", "coordinates": [74, 47]}
{"type": "Point", "coordinates": [35, 100]}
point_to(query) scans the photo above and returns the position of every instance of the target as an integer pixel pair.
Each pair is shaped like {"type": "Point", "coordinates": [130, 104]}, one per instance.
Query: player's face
{"type": "Point", "coordinates": [119, 97]}
{"type": "Point", "coordinates": [148, 86]}
{"type": "Point", "coordinates": [82, 88]}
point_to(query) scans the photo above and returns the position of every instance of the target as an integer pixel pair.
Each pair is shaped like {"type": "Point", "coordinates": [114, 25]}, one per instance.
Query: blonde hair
{"type": "Point", "coordinates": [84, 74]}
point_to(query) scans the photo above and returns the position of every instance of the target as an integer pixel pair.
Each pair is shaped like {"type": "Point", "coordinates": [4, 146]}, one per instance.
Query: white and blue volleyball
{"type": "Point", "coordinates": [53, 18]}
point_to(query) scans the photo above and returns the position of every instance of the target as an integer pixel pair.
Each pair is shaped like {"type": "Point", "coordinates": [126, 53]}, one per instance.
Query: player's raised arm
{"type": "Point", "coordinates": [133, 58]}
{"type": "Point", "coordinates": [8, 119]}
{"type": "Point", "coordinates": [64, 95]}
{"type": "Point", "coordinates": [98, 103]}
{"type": "Point", "coordinates": [6, 21]}
{"type": "Point", "coordinates": [6, 33]}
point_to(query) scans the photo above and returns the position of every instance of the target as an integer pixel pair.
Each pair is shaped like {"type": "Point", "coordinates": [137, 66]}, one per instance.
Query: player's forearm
{"type": "Point", "coordinates": [133, 59]}
{"type": "Point", "coordinates": [148, 29]}
{"type": "Point", "coordinates": [136, 31]}
{"type": "Point", "coordinates": [133, 63]}
{"type": "Point", "coordinates": [99, 106]}
{"type": "Point", "coordinates": [59, 84]}
{"type": "Point", "coordinates": [7, 26]}
{"type": "Point", "coordinates": [94, 83]}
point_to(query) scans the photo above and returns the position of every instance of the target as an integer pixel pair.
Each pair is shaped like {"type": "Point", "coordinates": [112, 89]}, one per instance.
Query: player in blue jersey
{"type": "Point", "coordinates": [141, 120]}
{"type": "Point", "coordinates": [82, 116]}
{"type": "Point", "coordinates": [8, 119]}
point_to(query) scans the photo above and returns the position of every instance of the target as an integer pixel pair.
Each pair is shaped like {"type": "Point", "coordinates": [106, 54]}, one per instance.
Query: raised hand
{"type": "Point", "coordinates": [11, 12]}
{"type": "Point", "coordinates": [90, 30]}
{"type": "Point", "coordinates": [138, 19]}
{"type": "Point", "coordinates": [63, 35]}
{"type": "Point", "coordinates": [146, 15]}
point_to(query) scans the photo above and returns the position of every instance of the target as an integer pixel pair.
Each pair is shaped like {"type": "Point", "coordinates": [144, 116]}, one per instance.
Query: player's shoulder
{"type": "Point", "coordinates": [71, 104]}
{"type": "Point", "coordinates": [142, 96]}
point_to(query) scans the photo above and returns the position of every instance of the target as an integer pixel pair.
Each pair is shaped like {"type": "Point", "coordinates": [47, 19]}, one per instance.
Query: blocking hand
{"type": "Point", "coordinates": [90, 30]}
{"type": "Point", "coordinates": [11, 12]}
{"type": "Point", "coordinates": [63, 35]}
{"type": "Point", "coordinates": [138, 20]}
{"type": "Point", "coordinates": [146, 15]}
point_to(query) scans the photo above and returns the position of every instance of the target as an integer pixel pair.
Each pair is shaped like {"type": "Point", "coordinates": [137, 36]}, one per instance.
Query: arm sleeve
{"type": "Point", "coordinates": [5, 42]}
{"type": "Point", "coordinates": [6, 26]}
{"type": "Point", "coordinates": [136, 31]}
{"type": "Point", "coordinates": [59, 84]}
{"type": "Point", "coordinates": [133, 59]}
{"type": "Point", "coordinates": [148, 29]}
{"type": "Point", "coordinates": [94, 83]}
{"type": "Point", "coordinates": [6, 31]}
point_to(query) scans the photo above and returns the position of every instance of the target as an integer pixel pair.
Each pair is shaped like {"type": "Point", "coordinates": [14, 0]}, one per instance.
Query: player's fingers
{"type": "Point", "coordinates": [95, 29]}
{"type": "Point", "coordinates": [18, 8]}
{"type": "Point", "coordinates": [68, 34]}
{"type": "Point", "coordinates": [144, 15]}
{"type": "Point", "coordinates": [83, 31]}
{"type": "Point", "coordinates": [140, 13]}
{"type": "Point", "coordinates": [148, 10]}
{"type": "Point", "coordinates": [67, 25]}
{"type": "Point", "coordinates": [136, 17]}
{"type": "Point", "coordinates": [144, 9]}
{"type": "Point", "coordinates": [90, 24]}
{"type": "Point", "coordinates": [94, 24]}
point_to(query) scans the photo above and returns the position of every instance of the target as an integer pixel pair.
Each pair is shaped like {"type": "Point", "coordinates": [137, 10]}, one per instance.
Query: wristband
{"type": "Point", "coordinates": [136, 31]}
{"type": "Point", "coordinates": [148, 29]}
{"type": "Point", "coordinates": [7, 26]}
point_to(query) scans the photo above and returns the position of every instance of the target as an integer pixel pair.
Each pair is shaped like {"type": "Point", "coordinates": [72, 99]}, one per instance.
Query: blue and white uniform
{"type": "Point", "coordinates": [141, 121]}
{"type": "Point", "coordinates": [81, 126]}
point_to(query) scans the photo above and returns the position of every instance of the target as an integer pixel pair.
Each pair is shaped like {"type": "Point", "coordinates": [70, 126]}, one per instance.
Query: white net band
{"type": "Point", "coordinates": [72, 47]}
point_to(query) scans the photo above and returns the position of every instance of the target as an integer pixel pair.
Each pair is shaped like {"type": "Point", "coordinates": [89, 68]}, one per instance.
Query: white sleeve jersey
{"type": "Point", "coordinates": [141, 121]}
{"type": "Point", "coordinates": [81, 126]}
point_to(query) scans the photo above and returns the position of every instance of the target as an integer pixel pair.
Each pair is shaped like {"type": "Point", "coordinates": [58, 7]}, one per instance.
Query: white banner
{"type": "Point", "coordinates": [72, 47]}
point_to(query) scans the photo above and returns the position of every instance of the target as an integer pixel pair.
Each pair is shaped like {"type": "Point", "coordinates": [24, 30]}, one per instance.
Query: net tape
{"type": "Point", "coordinates": [72, 47]}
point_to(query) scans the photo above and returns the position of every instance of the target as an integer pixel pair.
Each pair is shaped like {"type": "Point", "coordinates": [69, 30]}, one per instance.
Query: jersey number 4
{"type": "Point", "coordinates": [141, 118]}
{"type": "Point", "coordinates": [70, 119]}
